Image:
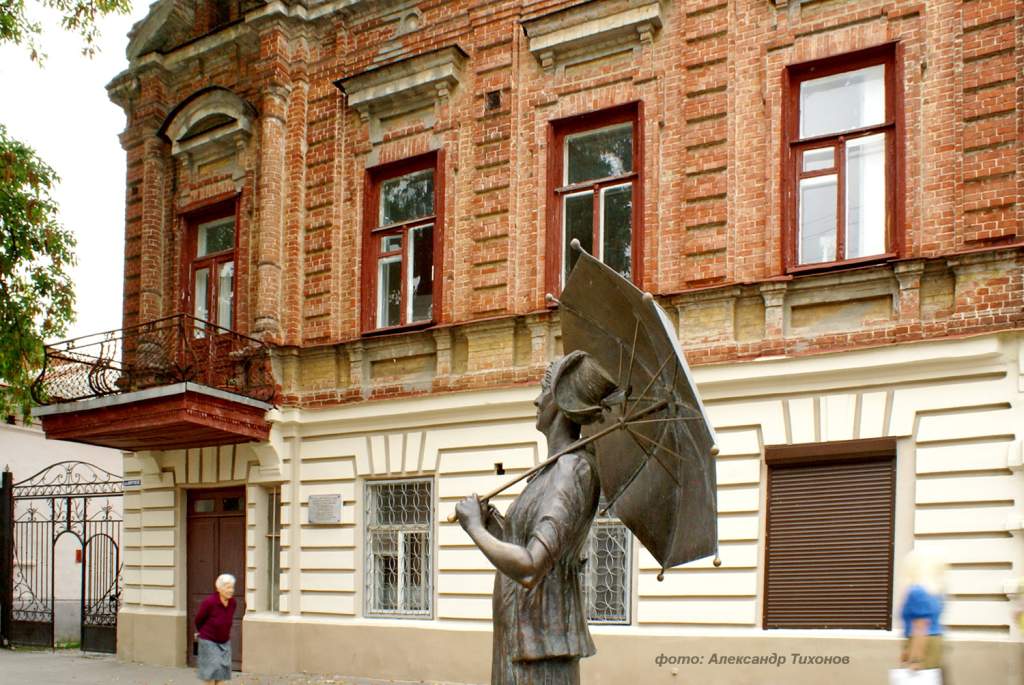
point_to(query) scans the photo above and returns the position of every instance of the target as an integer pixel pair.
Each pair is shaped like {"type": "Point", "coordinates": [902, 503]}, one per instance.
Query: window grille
{"type": "Point", "coordinates": [607, 573]}
{"type": "Point", "coordinates": [274, 549]}
{"type": "Point", "coordinates": [399, 544]}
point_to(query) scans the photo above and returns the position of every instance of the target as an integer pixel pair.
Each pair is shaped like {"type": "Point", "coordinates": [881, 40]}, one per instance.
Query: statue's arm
{"type": "Point", "coordinates": [525, 565]}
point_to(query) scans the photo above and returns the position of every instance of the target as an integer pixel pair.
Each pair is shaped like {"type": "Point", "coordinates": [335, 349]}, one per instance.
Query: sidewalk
{"type": "Point", "coordinates": [71, 666]}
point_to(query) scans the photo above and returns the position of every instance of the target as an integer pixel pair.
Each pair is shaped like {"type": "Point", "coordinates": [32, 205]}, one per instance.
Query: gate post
{"type": "Point", "coordinates": [6, 556]}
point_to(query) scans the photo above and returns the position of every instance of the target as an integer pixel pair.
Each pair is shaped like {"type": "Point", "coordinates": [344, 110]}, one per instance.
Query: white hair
{"type": "Point", "coordinates": [925, 570]}
{"type": "Point", "coordinates": [224, 579]}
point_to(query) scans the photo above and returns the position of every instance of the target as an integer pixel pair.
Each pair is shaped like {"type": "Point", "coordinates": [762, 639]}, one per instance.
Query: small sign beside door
{"type": "Point", "coordinates": [324, 509]}
{"type": "Point", "coordinates": [132, 482]}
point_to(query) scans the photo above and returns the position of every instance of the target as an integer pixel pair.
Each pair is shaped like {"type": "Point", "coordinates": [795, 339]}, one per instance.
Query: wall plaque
{"type": "Point", "coordinates": [325, 508]}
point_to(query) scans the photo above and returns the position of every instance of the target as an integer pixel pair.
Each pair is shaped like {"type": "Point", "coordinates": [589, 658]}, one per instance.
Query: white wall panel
{"type": "Point", "coordinates": [329, 559]}
{"type": "Point", "coordinates": [969, 489]}
{"type": "Point", "coordinates": [702, 611]}
{"type": "Point", "coordinates": [961, 520]}
{"type": "Point", "coordinates": [873, 418]}
{"type": "Point", "coordinates": [323, 603]}
{"type": "Point", "coordinates": [478, 608]}
{"type": "Point", "coordinates": [837, 417]}
{"type": "Point", "coordinates": [472, 583]}
{"type": "Point", "coordinates": [803, 420]}
{"type": "Point", "coordinates": [735, 471]}
{"type": "Point", "coordinates": [713, 583]}
{"type": "Point", "coordinates": [962, 456]}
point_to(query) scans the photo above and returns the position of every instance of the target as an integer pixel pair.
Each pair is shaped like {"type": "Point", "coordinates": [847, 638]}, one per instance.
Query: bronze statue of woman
{"type": "Point", "coordinates": [540, 620]}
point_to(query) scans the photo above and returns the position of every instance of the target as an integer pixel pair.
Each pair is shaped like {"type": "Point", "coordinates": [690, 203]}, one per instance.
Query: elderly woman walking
{"type": "Point", "coordinates": [213, 631]}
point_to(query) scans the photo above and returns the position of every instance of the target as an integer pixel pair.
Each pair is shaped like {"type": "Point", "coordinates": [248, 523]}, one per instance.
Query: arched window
{"type": "Point", "coordinates": [209, 126]}
{"type": "Point", "coordinates": [207, 131]}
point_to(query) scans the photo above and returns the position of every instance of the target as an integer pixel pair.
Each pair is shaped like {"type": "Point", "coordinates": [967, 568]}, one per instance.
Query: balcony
{"type": "Point", "coordinates": [172, 383]}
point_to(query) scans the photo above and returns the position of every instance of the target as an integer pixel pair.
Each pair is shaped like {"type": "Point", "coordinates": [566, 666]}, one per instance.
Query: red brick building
{"type": "Point", "coordinates": [825, 195]}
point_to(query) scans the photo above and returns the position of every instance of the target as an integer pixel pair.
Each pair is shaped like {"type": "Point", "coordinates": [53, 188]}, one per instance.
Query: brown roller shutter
{"type": "Point", "coordinates": [830, 540]}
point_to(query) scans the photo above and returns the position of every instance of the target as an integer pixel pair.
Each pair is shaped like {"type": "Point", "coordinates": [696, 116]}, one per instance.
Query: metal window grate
{"type": "Point", "coordinates": [274, 549]}
{"type": "Point", "coordinates": [399, 525]}
{"type": "Point", "coordinates": [607, 573]}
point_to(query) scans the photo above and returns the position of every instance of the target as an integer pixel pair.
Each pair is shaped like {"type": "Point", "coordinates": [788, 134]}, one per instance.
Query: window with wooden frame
{"type": "Point", "coordinates": [595, 191]}
{"type": "Point", "coordinates": [402, 243]}
{"type": "Point", "coordinates": [830, 535]}
{"type": "Point", "coordinates": [211, 245]}
{"type": "Point", "coordinates": [843, 141]}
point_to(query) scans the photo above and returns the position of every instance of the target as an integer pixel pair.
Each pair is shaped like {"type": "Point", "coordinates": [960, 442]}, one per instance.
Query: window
{"type": "Point", "coordinates": [607, 573]}
{"type": "Point", "coordinates": [274, 549]}
{"type": "Point", "coordinates": [212, 274]}
{"type": "Point", "coordinates": [399, 544]}
{"type": "Point", "coordinates": [842, 144]}
{"type": "Point", "coordinates": [402, 243]}
{"type": "Point", "coordinates": [595, 191]}
{"type": "Point", "coordinates": [829, 545]}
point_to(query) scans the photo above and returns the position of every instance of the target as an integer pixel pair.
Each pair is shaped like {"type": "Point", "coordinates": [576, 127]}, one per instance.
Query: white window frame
{"type": "Point", "coordinates": [273, 536]}
{"type": "Point", "coordinates": [429, 547]}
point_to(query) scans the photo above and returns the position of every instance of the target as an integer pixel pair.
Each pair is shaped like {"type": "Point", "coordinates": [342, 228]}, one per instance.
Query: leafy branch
{"type": "Point", "coordinates": [36, 254]}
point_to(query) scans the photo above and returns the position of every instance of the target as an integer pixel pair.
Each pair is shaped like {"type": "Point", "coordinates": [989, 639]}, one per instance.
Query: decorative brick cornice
{"type": "Point", "coordinates": [405, 85]}
{"type": "Point", "coordinates": [591, 29]}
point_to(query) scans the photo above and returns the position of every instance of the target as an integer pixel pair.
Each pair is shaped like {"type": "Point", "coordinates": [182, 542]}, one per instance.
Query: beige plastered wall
{"type": "Point", "coordinates": [953, 406]}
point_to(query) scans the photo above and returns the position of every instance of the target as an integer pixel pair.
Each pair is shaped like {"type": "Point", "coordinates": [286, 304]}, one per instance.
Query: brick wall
{"type": "Point", "coordinates": [710, 83]}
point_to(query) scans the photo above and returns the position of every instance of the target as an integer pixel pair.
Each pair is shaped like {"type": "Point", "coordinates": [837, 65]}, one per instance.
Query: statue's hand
{"type": "Point", "coordinates": [470, 512]}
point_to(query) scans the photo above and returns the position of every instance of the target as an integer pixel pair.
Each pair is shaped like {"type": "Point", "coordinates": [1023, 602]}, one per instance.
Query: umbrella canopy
{"type": "Point", "coordinates": [657, 469]}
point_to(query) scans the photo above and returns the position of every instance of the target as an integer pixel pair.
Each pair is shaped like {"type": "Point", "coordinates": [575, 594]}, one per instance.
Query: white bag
{"type": "Point", "coordinates": [906, 676]}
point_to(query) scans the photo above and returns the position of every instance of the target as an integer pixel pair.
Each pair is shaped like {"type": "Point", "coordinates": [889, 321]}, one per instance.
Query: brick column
{"type": "Point", "coordinates": [270, 191]}
{"type": "Point", "coordinates": [358, 372]}
{"type": "Point", "coordinates": [774, 295]}
{"type": "Point", "coordinates": [909, 276]}
{"type": "Point", "coordinates": [152, 255]}
{"type": "Point", "coordinates": [540, 335]}
{"type": "Point", "coordinates": [443, 352]}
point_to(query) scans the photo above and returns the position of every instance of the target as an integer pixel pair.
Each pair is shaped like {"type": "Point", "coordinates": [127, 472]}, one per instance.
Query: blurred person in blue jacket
{"type": "Point", "coordinates": [921, 612]}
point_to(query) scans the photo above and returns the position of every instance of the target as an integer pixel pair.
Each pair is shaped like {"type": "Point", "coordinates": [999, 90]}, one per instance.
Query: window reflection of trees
{"type": "Point", "coordinates": [407, 197]}
{"type": "Point", "coordinates": [600, 154]}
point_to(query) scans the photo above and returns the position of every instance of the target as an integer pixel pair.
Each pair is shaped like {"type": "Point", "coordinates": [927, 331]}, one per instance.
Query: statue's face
{"type": "Point", "coordinates": [546, 407]}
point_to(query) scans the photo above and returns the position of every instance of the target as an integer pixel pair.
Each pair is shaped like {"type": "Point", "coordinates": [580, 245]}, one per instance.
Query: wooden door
{"type": "Point", "coordinates": [216, 544]}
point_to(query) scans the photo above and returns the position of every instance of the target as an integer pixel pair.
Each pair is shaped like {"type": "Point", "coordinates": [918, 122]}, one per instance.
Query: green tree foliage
{"type": "Point", "coordinates": [37, 295]}
{"type": "Point", "coordinates": [76, 16]}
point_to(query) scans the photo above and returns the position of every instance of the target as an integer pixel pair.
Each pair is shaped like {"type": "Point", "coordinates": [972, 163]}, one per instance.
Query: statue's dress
{"type": "Point", "coordinates": [541, 634]}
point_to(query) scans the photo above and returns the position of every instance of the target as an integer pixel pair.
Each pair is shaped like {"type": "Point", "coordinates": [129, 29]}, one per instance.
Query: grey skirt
{"type": "Point", "coordinates": [214, 660]}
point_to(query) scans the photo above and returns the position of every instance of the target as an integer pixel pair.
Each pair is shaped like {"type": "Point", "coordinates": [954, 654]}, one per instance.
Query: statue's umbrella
{"type": "Point", "coordinates": [656, 463]}
{"type": "Point", "coordinates": [654, 444]}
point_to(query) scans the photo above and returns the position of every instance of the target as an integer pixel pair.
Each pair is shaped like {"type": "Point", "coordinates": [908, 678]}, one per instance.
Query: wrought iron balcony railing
{"type": "Point", "coordinates": [174, 349]}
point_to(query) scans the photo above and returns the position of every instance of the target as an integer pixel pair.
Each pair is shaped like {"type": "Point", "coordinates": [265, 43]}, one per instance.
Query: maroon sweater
{"type": "Point", "coordinates": [213, 619]}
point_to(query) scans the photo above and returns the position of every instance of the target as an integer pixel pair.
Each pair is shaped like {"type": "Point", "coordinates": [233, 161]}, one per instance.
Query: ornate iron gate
{"type": "Point", "coordinates": [81, 500]}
